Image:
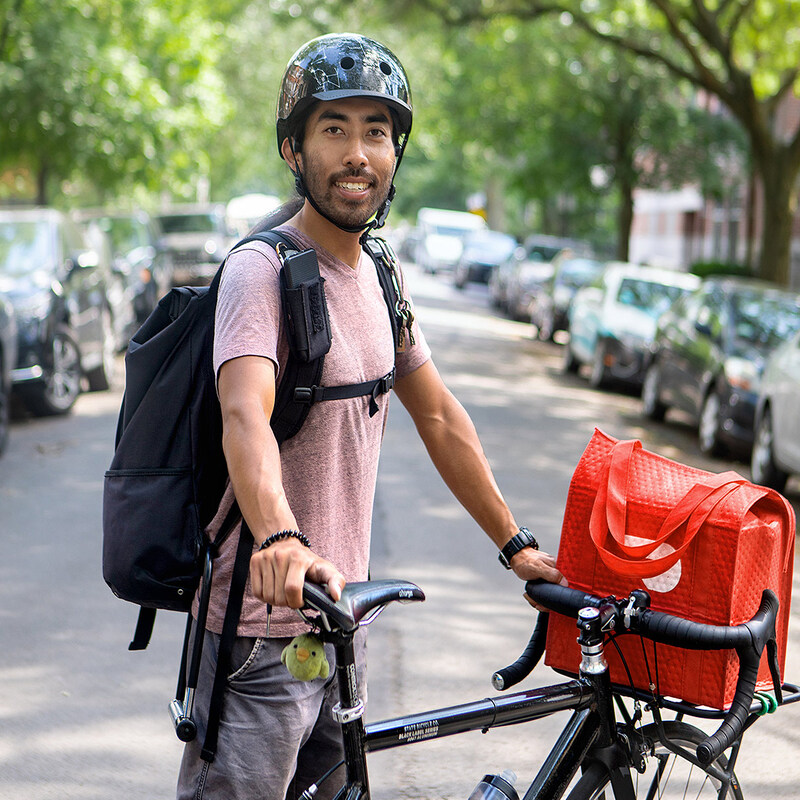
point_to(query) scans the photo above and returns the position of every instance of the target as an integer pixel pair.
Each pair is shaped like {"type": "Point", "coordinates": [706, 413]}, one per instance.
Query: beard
{"type": "Point", "coordinates": [341, 211]}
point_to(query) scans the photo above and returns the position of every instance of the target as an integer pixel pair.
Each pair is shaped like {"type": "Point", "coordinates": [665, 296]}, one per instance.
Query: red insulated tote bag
{"type": "Point", "coordinates": [703, 545]}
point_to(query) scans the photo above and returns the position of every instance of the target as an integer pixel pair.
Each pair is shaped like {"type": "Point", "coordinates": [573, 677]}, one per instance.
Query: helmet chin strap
{"type": "Point", "coordinates": [378, 220]}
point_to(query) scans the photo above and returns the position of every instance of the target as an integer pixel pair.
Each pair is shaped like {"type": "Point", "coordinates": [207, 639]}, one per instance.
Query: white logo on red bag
{"type": "Point", "coordinates": [666, 581]}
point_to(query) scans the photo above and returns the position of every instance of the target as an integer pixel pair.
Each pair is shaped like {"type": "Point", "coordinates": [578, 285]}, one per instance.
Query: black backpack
{"type": "Point", "coordinates": [168, 473]}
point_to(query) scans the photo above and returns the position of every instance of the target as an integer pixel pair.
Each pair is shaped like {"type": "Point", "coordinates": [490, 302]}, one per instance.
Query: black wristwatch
{"type": "Point", "coordinates": [519, 542]}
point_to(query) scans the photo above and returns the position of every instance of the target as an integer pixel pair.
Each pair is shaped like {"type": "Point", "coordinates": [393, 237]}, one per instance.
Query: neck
{"type": "Point", "coordinates": [345, 246]}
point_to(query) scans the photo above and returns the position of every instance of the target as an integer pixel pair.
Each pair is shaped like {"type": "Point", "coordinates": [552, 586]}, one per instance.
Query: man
{"type": "Point", "coordinates": [344, 116]}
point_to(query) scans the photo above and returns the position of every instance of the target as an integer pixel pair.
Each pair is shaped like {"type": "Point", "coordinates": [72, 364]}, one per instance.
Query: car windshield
{"type": "Point", "coordinates": [25, 247]}
{"type": "Point", "coordinates": [190, 223]}
{"type": "Point", "coordinates": [649, 296]}
{"type": "Point", "coordinates": [765, 319]}
{"type": "Point", "coordinates": [446, 230]}
{"type": "Point", "coordinates": [578, 272]}
{"type": "Point", "coordinates": [489, 248]}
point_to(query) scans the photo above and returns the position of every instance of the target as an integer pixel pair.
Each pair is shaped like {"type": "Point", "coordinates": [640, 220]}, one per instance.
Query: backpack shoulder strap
{"type": "Point", "coordinates": [400, 313]}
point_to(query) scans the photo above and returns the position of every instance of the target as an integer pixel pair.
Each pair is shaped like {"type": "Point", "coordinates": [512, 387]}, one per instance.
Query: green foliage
{"type": "Point", "coordinates": [706, 268]}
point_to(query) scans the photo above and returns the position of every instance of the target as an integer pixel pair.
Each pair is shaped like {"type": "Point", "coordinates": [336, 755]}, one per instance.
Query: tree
{"type": "Point", "coordinates": [735, 50]}
{"type": "Point", "coordinates": [109, 92]}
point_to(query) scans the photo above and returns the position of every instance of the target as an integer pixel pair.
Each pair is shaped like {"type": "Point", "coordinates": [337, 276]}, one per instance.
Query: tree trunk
{"type": "Point", "coordinates": [41, 185]}
{"type": "Point", "coordinates": [624, 218]}
{"type": "Point", "coordinates": [778, 181]}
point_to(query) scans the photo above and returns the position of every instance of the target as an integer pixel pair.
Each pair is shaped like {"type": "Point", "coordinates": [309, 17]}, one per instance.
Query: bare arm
{"type": "Point", "coordinates": [453, 445]}
{"type": "Point", "coordinates": [247, 396]}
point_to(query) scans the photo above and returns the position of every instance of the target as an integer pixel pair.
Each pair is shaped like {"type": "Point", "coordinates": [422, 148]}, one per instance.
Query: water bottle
{"type": "Point", "coordinates": [496, 787]}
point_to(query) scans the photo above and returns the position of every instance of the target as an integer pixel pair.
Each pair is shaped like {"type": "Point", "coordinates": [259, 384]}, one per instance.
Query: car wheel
{"type": "Point", "coordinates": [61, 385]}
{"type": "Point", "coordinates": [545, 328]}
{"type": "Point", "coordinates": [762, 460]}
{"type": "Point", "coordinates": [599, 375]}
{"type": "Point", "coordinates": [101, 377]}
{"type": "Point", "coordinates": [709, 428]}
{"type": "Point", "coordinates": [570, 364]}
{"type": "Point", "coordinates": [5, 411]}
{"type": "Point", "coordinates": [652, 407]}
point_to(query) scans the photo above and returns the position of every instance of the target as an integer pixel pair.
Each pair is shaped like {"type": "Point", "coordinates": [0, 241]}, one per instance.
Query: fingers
{"type": "Point", "coordinates": [531, 564]}
{"type": "Point", "coordinates": [277, 574]}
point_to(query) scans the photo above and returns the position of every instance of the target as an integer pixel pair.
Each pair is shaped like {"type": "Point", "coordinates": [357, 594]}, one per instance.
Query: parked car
{"type": "Point", "coordinates": [197, 239]}
{"type": "Point", "coordinates": [140, 266]}
{"type": "Point", "coordinates": [570, 273]}
{"type": "Point", "coordinates": [524, 284]}
{"type": "Point", "coordinates": [483, 251]}
{"type": "Point", "coordinates": [64, 322]}
{"type": "Point", "coordinates": [8, 358]}
{"type": "Point", "coordinates": [776, 441]}
{"type": "Point", "coordinates": [537, 249]}
{"type": "Point", "coordinates": [709, 353]}
{"type": "Point", "coordinates": [612, 321]}
{"type": "Point", "coordinates": [441, 237]}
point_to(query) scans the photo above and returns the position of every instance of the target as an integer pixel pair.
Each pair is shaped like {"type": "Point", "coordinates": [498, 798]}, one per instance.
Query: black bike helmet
{"type": "Point", "coordinates": [338, 66]}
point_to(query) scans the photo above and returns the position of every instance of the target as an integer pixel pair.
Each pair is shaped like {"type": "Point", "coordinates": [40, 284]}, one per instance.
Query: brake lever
{"type": "Point", "coordinates": [774, 668]}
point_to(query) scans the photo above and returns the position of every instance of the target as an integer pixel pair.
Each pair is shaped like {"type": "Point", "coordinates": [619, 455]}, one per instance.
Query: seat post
{"type": "Point", "coordinates": [349, 711]}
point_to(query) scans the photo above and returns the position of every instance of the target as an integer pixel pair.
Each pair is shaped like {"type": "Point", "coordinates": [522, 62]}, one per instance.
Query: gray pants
{"type": "Point", "coordinates": [276, 735]}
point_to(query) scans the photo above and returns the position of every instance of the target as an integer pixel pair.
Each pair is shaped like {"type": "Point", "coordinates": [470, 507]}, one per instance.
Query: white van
{"type": "Point", "coordinates": [441, 237]}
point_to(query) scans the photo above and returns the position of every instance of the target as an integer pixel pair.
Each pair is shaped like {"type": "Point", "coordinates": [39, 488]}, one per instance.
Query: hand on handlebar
{"type": "Point", "coordinates": [278, 572]}
{"type": "Point", "coordinates": [531, 565]}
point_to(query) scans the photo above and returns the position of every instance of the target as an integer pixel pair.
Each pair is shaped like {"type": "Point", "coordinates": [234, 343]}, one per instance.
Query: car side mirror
{"type": "Point", "coordinates": [704, 329]}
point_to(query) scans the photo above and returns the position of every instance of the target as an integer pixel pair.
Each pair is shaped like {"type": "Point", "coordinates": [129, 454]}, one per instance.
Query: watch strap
{"type": "Point", "coordinates": [524, 538]}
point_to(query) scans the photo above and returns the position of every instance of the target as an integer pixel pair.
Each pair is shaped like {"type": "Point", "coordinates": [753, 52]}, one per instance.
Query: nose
{"type": "Point", "coordinates": [356, 154]}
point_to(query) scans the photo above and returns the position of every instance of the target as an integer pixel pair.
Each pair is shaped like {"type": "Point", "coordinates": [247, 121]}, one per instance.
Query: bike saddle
{"type": "Point", "coordinates": [358, 600]}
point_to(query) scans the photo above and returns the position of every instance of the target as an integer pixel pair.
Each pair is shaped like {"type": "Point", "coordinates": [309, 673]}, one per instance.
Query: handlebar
{"type": "Point", "coordinates": [748, 640]}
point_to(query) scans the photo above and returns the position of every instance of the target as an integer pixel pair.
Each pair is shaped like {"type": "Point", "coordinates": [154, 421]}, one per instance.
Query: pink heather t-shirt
{"type": "Point", "coordinates": [330, 467]}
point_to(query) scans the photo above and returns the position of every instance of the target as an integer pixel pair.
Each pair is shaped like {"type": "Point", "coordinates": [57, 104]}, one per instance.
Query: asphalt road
{"type": "Point", "coordinates": [81, 717]}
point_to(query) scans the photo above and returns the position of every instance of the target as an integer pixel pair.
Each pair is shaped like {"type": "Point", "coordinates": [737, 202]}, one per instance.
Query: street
{"type": "Point", "coordinates": [84, 718]}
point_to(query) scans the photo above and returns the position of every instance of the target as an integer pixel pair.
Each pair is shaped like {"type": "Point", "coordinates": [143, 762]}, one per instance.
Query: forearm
{"type": "Point", "coordinates": [254, 467]}
{"type": "Point", "coordinates": [455, 450]}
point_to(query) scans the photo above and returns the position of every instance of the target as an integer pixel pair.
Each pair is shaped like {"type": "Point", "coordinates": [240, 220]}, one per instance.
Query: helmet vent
{"type": "Point", "coordinates": [385, 68]}
{"type": "Point", "coordinates": [347, 63]}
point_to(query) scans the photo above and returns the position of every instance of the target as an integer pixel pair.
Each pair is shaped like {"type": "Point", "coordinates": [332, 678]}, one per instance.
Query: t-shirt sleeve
{"type": "Point", "coordinates": [248, 318]}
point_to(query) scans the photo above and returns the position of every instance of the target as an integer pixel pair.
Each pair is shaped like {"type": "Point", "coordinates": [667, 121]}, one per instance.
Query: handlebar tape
{"type": "Point", "coordinates": [511, 675]}
{"type": "Point", "coordinates": [748, 639]}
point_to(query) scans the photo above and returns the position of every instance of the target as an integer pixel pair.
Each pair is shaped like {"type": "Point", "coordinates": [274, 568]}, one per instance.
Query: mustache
{"type": "Point", "coordinates": [354, 174]}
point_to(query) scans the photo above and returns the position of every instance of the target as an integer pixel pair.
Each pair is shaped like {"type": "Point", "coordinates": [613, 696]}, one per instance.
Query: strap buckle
{"type": "Point", "coordinates": [308, 394]}
{"type": "Point", "coordinates": [386, 383]}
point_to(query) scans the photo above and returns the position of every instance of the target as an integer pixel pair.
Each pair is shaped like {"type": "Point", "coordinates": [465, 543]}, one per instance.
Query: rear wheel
{"type": "Point", "coordinates": [652, 407]}
{"type": "Point", "coordinates": [762, 462]}
{"type": "Point", "coordinates": [570, 363]}
{"type": "Point", "coordinates": [102, 376]}
{"type": "Point", "coordinates": [667, 776]}
{"type": "Point", "coordinates": [5, 409]}
{"type": "Point", "coordinates": [599, 376]}
{"type": "Point", "coordinates": [709, 429]}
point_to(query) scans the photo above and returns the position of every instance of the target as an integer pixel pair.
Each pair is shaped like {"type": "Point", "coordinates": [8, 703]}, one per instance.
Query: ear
{"type": "Point", "coordinates": [288, 156]}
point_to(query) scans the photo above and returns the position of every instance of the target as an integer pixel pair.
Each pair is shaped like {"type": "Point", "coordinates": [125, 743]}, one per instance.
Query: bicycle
{"type": "Point", "coordinates": [604, 751]}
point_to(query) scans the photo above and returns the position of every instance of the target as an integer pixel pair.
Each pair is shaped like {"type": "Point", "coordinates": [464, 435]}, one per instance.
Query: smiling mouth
{"type": "Point", "coordinates": [352, 186]}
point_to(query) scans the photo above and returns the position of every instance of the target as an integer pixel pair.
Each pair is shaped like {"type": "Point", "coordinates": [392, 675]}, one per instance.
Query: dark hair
{"type": "Point", "coordinates": [279, 216]}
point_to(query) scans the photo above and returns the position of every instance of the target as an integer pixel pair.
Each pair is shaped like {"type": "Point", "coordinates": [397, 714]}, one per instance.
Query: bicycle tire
{"type": "Point", "coordinates": [680, 779]}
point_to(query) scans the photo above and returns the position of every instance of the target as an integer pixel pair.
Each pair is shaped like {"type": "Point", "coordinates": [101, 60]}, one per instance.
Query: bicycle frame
{"type": "Point", "coordinates": [589, 736]}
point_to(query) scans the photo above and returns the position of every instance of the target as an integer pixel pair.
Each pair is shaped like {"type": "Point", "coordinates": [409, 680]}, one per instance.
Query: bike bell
{"type": "Point", "coordinates": [496, 787]}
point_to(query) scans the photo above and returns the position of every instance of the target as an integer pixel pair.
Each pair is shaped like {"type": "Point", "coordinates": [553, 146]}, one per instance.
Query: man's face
{"type": "Point", "coordinates": [348, 158]}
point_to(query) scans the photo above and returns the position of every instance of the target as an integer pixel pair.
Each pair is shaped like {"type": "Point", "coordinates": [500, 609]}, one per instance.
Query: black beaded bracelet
{"type": "Point", "coordinates": [287, 534]}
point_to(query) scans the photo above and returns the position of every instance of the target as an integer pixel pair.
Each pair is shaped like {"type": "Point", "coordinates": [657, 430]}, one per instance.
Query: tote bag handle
{"type": "Point", "coordinates": [609, 518]}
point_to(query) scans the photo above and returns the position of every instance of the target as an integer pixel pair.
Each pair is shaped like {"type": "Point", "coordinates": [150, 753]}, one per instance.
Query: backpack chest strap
{"type": "Point", "coordinates": [315, 394]}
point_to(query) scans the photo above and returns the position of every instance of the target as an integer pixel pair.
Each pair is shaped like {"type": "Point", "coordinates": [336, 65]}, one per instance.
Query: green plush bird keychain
{"type": "Point", "coordinates": [304, 657]}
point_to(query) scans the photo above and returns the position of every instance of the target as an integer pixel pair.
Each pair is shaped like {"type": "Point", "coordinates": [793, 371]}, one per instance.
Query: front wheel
{"type": "Point", "coordinates": [667, 776]}
{"type": "Point", "coordinates": [61, 385]}
{"type": "Point", "coordinates": [762, 461]}
{"type": "Point", "coordinates": [652, 407]}
{"type": "Point", "coordinates": [709, 430]}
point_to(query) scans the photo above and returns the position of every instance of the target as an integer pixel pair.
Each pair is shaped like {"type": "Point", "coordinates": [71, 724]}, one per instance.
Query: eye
{"type": "Point", "coordinates": [295, 646]}
{"type": "Point", "coordinates": [313, 653]}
